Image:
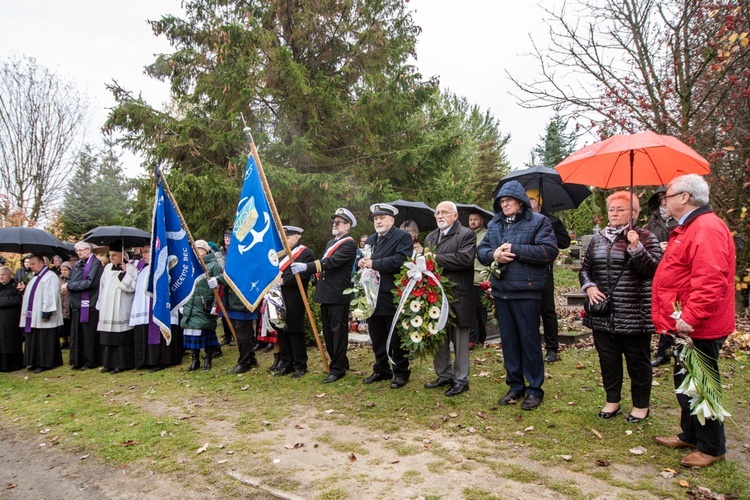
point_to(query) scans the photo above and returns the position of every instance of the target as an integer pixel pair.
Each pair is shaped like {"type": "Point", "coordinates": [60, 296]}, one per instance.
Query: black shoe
{"type": "Point", "coordinates": [208, 360]}
{"type": "Point", "coordinates": [331, 378]}
{"type": "Point", "coordinates": [196, 362]}
{"type": "Point", "coordinates": [398, 383]}
{"type": "Point", "coordinates": [268, 348]}
{"type": "Point", "coordinates": [510, 398]}
{"type": "Point", "coordinates": [634, 420]}
{"type": "Point", "coordinates": [660, 360]}
{"type": "Point", "coordinates": [299, 372]}
{"type": "Point", "coordinates": [608, 415]}
{"type": "Point", "coordinates": [375, 377]}
{"type": "Point", "coordinates": [104, 370]}
{"type": "Point", "coordinates": [240, 369]}
{"type": "Point", "coordinates": [157, 368]}
{"type": "Point", "coordinates": [531, 402]}
{"type": "Point", "coordinates": [285, 370]}
{"type": "Point", "coordinates": [440, 382]}
{"type": "Point", "coordinates": [217, 352]}
{"type": "Point", "coordinates": [38, 370]}
{"type": "Point", "coordinates": [456, 390]}
{"type": "Point", "coordinates": [115, 371]}
{"type": "Point", "coordinates": [84, 368]}
{"type": "Point", "coordinates": [551, 357]}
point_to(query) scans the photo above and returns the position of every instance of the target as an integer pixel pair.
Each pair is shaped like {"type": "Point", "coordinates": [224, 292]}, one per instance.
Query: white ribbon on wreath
{"type": "Point", "coordinates": [416, 271]}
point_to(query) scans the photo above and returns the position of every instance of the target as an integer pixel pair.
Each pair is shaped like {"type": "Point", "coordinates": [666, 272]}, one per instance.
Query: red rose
{"type": "Point", "coordinates": [432, 297]}
{"type": "Point", "coordinates": [485, 285]}
{"type": "Point", "coordinates": [430, 265]}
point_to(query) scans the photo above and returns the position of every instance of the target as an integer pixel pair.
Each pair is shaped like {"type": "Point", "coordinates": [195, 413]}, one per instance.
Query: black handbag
{"type": "Point", "coordinates": [604, 307]}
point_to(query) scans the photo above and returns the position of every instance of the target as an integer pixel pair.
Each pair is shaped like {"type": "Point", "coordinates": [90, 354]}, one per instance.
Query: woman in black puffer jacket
{"type": "Point", "coordinates": [632, 255]}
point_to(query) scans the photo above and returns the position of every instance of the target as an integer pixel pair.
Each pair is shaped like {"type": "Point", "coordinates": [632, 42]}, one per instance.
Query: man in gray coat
{"type": "Point", "coordinates": [455, 247]}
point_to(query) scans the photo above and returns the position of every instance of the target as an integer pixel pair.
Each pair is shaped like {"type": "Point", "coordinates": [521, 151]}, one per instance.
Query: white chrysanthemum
{"type": "Point", "coordinates": [416, 337]}
{"type": "Point", "coordinates": [416, 321]}
{"type": "Point", "coordinates": [405, 324]}
{"type": "Point", "coordinates": [434, 312]}
{"type": "Point", "coordinates": [415, 305]}
{"type": "Point", "coordinates": [358, 314]}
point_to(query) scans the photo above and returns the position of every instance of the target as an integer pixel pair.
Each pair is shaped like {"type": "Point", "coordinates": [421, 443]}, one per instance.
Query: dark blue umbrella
{"type": "Point", "coordinates": [29, 240]}
{"type": "Point", "coordinates": [417, 211]}
{"type": "Point", "coordinates": [555, 194]}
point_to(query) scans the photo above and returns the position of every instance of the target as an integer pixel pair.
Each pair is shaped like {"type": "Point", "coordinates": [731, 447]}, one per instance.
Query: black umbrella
{"type": "Point", "coordinates": [465, 210]}
{"type": "Point", "coordinates": [555, 194]}
{"type": "Point", "coordinates": [417, 211]}
{"type": "Point", "coordinates": [29, 240]}
{"type": "Point", "coordinates": [128, 236]}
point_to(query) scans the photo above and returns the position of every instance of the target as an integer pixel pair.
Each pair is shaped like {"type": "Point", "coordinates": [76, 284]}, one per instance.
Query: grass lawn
{"type": "Point", "coordinates": [412, 440]}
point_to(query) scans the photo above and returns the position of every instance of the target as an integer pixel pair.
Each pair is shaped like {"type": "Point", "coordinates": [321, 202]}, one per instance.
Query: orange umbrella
{"type": "Point", "coordinates": [643, 159]}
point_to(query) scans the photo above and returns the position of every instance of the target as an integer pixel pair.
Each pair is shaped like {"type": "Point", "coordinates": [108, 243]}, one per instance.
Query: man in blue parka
{"type": "Point", "coordinates": [523, 244]}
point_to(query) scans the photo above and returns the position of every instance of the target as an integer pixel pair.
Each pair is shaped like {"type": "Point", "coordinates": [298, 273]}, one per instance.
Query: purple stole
{"type": "Point", "coordinates": [27, 328]}
{"type": "Point", "coordinates": [154, 332]}
{"type": "Point", "coordinates": [85, 295]}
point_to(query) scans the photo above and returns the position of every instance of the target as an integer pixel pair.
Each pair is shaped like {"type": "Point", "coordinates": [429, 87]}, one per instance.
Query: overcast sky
{"type": "Point", "coordinates": [468, 45]}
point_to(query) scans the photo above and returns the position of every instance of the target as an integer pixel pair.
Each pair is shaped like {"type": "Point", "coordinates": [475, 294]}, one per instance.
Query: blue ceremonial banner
{"type": "Point", "coordinates": [252, 264]}
{"type": "Point", "coordinates": [174, 266]}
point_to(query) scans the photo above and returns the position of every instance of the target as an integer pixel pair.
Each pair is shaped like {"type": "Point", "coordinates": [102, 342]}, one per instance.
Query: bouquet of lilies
{"type": "Point", "coordinates": [423, 296]}
{"type": "Point", "coordinates": [702, 383]}
{"type": "Point", "coordinates": [365, 290]}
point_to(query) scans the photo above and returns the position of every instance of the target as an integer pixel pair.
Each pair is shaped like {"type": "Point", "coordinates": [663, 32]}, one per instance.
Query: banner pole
{"type": "Point", "coordinates": [163, 180]}
{"type": "Point", "coordinates": [280, 229]}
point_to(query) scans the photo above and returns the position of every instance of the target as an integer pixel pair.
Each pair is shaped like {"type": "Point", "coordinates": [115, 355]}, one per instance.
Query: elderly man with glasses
{"type": "Point", "coordinates": [455, 247]}
{"type": "Point", "coordinates": [523, 243]}
{"type": "Point", "coordinates": [696, 273]}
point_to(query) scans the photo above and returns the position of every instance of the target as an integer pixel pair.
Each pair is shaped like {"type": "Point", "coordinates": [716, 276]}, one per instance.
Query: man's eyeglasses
{"type": "Point", "coordinates": [667, 196]}
{"type": "Point", "coordinates": [443, 213]}
{"type": "Point", "coordinates": [337, 222]}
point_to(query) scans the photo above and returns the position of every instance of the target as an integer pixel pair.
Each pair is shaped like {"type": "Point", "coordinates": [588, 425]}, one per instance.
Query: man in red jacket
{"type": "Point", "coordinates": [697, 270]}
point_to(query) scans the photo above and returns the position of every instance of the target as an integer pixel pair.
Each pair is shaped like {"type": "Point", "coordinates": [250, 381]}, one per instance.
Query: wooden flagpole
{"type": "Point", "coordinates": [280, 229]}
{"type": "Point", "coordinates": [191, 240]}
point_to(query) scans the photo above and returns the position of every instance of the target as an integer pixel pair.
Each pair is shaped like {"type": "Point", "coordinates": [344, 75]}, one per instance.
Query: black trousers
{"type": "Point", "coordinates": [379, 327]}
{"type": "Point", "coordinates": [549, 314]}
{"type": "Point", "coordinates": [293, 350]}
{"type": "Point", "coordinates": [709, 438]}
{"type": "Point", "coordinates": [245, 337]}
{"type": "Point", "coordinates": [637, 351]}
{"type": "Point", "coordinates": [478, 332]}
{"type": "Point", "coordinates": [335, 319]}
{"type": "Point", "coordinates": [665, 343]}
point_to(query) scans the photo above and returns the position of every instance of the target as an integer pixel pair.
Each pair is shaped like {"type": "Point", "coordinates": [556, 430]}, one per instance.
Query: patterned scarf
{"type": "Point", "coordinates": [612, 232]}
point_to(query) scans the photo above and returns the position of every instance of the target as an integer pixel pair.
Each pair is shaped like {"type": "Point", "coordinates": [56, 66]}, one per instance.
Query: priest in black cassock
{"type": "Point", "coordinates": [11, 338]}
{"type": "Point", "coordinates": [83, 286]}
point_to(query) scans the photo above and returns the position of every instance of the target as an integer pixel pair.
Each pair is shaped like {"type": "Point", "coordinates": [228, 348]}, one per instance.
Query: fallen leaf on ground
{"type": "Point", "coordinates": [84, 457]}
{"type": "Point", "coordinates": [130, 442]}
{"type": "Point", "coordinates": [294, 446]}
{"type": "Point", "coordinates": [453, 415]}
{"type": "Point", "coordinates": [471, 430]}
{"type": "Point", "coordinates": [245, 387]}
{"type": "Point", "coordinates": [223, 461]}
{"type": "Point", "coordinates": [394, 461]}
{"type": "Point", "coordinates": [386, 437]}
{"type": "Point", "coordinates": [638, 450]}
{"type": "Point", "coordinates": [352, 457]}
{"type": "Point", "coordinates": [602, 462]}
{"type": "Point", "coordinates": [684, 483]}
{"type": "Point", "coordinates": [298, 427]}
{"type": "Point", "coordinates": [580, 366]}
{"type": "Point", "coordinates": [628, 432]}
{"type": "Point", "coordinates": [481, 414]}
{"type": "Point", "coordinates": [328, 412]}
{"type": "Point", "coordinates": [201, 449]}
{"type": "Point", "coordinates": [44, 431]}
{"type": "Point", "coordinates": [529, 428]}
{"type": "Point", "coordinates": [571, 403]}
{"type": "Point", "coordinates": [132, 424]}
{"type": "Point", "coordinates": [483, 374]}
{"type": "Point", "coordinates": [668, 473]}
{"type": "Point", "coordinates": [10, 486]}
{"type": "Point", "coordinates": [369, 404]}
{"type": "Point", "coordinates": [567, 458]}
{"type": "Point", "coordinates": [266, 422]}
{"type": "Point", "coordinates": [654, 382]}
{"type": "Point", "coordinates": [596, 433]}
{"type": "Point", "coordinates": [321, 395]}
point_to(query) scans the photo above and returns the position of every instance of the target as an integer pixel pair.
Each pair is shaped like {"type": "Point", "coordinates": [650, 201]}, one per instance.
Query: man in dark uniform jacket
{"type": "Point", "coordinates": [390, 249]}
{"type": "Point", "coordinates": [455, 247]}
{"type": "Point", "coordinates": [292, 338]}
{"type": "Point", "coordinates": [334, 276]}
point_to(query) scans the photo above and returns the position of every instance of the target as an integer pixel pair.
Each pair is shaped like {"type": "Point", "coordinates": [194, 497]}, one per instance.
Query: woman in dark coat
{"type": "Point", "coordinates": [11, 338]}
{"type": "Point", "coordinates": [199, 325]}
{"type": "Point", "coordinates": [632, 256]}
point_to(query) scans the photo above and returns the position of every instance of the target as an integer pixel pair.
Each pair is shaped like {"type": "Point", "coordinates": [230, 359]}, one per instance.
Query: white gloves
{"type": "Point", "coordinates": [212, 283]}
{"type": "Point", "coordinates": [298, 267]}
